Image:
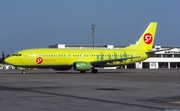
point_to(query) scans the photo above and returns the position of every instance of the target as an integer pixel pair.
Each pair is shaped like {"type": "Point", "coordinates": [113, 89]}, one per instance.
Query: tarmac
{"type": "Point", "coordinates": [108, 90]}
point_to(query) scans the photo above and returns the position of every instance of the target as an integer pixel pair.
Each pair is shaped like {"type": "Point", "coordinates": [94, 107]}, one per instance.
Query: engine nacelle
{"type": "Point", "coordinates": [82, 66]}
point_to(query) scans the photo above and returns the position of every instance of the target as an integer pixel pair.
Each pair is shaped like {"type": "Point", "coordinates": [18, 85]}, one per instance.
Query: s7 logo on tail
{"type": "Point", "coordinates": [148, 38]}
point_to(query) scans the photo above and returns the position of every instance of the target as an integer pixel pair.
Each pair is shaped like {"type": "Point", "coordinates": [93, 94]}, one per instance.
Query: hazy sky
{"type": "Point", "coordinates": [40, 23]}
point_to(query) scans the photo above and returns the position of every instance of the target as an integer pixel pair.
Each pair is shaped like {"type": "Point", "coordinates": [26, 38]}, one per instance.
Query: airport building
{"type": "Point", "coordinates": [169, 58]}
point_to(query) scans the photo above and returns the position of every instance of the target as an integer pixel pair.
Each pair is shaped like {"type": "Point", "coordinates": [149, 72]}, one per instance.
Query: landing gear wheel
{"type": "Point", "coordinates": [94, 71]}
{"type": "Point", "coordinates": [23, 72]}
{"type": "Point", "coordinates": [82, 71]}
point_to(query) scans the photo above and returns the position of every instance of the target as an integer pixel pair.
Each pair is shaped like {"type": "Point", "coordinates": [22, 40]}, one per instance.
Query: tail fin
{"type": "Point", "coordinates": [146, 41]}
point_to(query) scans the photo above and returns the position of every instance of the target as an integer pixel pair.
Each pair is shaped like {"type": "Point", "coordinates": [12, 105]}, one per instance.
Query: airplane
{"type": "Point", "coordinates": [85, 59]}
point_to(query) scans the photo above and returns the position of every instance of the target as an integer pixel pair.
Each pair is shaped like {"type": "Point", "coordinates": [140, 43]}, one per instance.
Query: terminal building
{"type": "Point", "coordinates": [169, 58]}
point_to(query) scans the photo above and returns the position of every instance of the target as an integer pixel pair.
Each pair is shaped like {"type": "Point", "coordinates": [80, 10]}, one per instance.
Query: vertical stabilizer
{"type": "Point", "coordinates": [146, 41]}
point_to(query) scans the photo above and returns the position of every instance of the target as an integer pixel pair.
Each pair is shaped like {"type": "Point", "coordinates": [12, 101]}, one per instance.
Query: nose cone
{"type": "Point", "coordinates": [8, 60]}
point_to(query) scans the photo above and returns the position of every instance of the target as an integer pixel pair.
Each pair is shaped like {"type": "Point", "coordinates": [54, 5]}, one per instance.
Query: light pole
{"type": "Point", "coordinates": [93, 26]}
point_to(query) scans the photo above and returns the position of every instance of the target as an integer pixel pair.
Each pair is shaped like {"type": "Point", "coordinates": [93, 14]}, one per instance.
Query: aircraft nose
{"type": "Point", "coordinates": [7, 60]}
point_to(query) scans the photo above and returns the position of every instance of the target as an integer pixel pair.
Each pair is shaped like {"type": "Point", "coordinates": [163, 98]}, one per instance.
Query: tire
{"type": "Point", "coordinates": [94, 71]}
{"type": "Point", "coordinates": [23, 72]}
{"type": "Point", "coordinates": [82, 71]}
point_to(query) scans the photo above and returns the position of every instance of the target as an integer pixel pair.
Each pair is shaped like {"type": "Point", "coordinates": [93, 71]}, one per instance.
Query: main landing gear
{"type": "Point", "coordinates": [23, 72]}
{"type": "Point", "coordinates": [82, 71]}
{"type": "Point", "coordinates": [94, 71]}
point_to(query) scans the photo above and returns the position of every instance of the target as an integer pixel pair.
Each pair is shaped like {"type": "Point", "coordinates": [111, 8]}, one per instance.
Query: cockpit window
{"type": "Point", "coordinates": [17, 54]}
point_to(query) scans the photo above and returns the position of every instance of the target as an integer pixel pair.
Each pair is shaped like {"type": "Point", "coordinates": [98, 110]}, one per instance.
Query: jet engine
{"type": "Point", "coordinates": [82, 66]}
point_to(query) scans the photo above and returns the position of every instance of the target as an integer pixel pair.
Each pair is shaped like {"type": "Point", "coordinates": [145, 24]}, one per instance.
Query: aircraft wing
{"type": "Point", "coordinates": [103, 62]}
